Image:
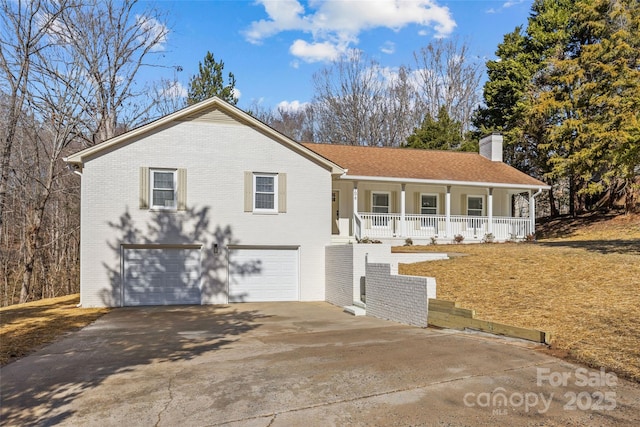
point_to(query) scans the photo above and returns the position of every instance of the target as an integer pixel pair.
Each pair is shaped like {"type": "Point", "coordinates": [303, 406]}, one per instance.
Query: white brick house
{"type": "Point", "coordinates": [209, 205]}
{"type": "Point", "coordinates": [206, 205]}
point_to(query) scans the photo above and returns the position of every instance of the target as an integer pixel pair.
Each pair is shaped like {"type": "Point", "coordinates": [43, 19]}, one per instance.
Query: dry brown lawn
{"type": "Point", "coordinates": [27, 327]}
{"type": "Point", "coordinates": [583, 287]}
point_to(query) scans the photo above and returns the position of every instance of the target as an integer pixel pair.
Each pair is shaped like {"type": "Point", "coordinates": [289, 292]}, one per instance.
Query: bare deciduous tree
{"type": "Point", "coordinates": [71, 71]}
{"type": "Point", "coordinates": [23, 25]}
{"type": "Point", "coordinates": [112, 40]}
{"type": "Point", "coordinates": [448, 77]}
{"type": "Point", "coordinates": [347, 101]}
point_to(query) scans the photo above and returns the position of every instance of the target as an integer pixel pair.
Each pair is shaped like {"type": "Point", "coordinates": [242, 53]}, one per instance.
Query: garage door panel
{"type": "Point", "coordinates": [263, 275]}
{"type": "Point", "coordinates": [166, 276]}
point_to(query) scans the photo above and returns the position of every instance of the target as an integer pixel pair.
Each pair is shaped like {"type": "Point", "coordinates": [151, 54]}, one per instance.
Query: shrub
{"type": "Point", "coordinates": [408, 241]}
{"type": "Point", "coordinates": [434, 240]}
{"type": "Point", "coordinates": [368, 240]}
{"type": "Point", "coordinates": [488, 238]}
{"type": "Point", "coordinates": [458, 238]}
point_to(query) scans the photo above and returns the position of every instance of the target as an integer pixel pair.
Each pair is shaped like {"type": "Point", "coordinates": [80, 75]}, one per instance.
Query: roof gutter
{"type": "Point", "coordinates": [445, 182]}
{"type": "Point", "coordinates": [73, 166]}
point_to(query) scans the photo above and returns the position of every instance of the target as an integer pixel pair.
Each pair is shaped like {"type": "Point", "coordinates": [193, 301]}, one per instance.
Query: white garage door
{"type": "Point", "coordinates": [164, 276]}
{"type": "Point", "coordinates": [257, 275]}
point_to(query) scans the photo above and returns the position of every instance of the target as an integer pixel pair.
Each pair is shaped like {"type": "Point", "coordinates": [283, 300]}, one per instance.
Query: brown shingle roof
{"type": "Point", "coordinates": [418, 164]}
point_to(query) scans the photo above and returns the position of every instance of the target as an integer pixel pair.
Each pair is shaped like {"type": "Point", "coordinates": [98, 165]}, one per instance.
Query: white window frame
{"type": "Point", "coordinates": [273, 176]}
{"type": "Point", "coordinates": [482, 210]}
{"type": "Point", "coordinates": [380, 222]}
{"type": "Point", "coordinates": [437, 207]}
{"type": "Point", "coordinates": [388, 194]}
{"type": "Point", "coordinates": [152, 204]}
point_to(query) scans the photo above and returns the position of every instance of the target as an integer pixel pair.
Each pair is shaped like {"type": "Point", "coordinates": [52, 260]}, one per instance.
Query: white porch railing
{"type": "Point", "coordinates": [376, 225]}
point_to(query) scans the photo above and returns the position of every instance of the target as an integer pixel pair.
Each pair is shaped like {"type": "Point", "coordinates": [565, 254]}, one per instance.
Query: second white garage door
{"type": "Point", "coordinates": [257, 275]}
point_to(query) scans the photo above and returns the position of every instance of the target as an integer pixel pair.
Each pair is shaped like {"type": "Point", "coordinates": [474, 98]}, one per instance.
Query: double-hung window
{"type": "Point", "coordinates": [380, 205]}
{"type": "Point", "coordinates": [380, 202]}
{"type": "Point", "coordinates": [475, 205]}
{"type": "Point", "coordinates": [265, 198]}
{"type": "Point", "coordinates": [265, 192]}
{"type": "Point", "coordinates": [429, 204]}
{"type": "Point", "coordinates": [163, 189]}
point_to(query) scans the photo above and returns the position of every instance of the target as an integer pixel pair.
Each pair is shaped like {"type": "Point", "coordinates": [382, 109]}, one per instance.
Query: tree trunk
{"type": "Point", "coordinates": [7, 143]}
{"type": "Point", "coordinates": [572, 196]}
{"type": "Point", "coordinates": [552, 204]}
{"type": "Point", "coordinates": [629, 196]}
{"type": "Point", "coordinates": [33, 234]}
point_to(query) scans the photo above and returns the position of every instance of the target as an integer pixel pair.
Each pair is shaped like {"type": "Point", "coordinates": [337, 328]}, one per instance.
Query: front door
{"type": "Point", "coordinates": [335, 212]}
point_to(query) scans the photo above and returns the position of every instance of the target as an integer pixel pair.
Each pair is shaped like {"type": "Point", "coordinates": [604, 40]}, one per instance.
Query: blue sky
{"type": "Point", "coordinates": [274, 46]}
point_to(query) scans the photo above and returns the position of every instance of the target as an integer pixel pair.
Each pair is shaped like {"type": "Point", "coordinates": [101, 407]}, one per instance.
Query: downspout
{"type": "Point", "coordinates": [532, 210]}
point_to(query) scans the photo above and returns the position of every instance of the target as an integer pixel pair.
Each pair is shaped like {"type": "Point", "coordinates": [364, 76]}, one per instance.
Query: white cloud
{"type": "Point", "coordinates": [334, 26]}
{"type": "Point", "coordinates": [507, 4]}
{"type": "Point", "coordinates": [388, 47]}
{"type": "Point", "coordinates": [510, 3]}
{"type": "Point", "coordinates": [292, 106]}
{"type": "Point", "coordinates": [153, 32]}
{"type": "Point", "coordinates": [315, 52]}
{"type": "Point", "coordinates": [237, 93]}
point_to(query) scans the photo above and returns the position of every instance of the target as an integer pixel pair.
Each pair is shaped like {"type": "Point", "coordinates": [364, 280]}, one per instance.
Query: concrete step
{"type": "Point", "coordinates": [356, 311]}
{"type": "Point", "coordinates": [360, 304]}
{"type": "Point", "coordinates": [342, 240]}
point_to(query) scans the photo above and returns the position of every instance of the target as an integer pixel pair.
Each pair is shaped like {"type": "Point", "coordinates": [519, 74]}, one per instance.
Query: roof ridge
{"type": "Point", "coordinates": [433, 150]}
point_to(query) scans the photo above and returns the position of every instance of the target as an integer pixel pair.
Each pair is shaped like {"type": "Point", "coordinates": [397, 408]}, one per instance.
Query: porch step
{"type": "Point", "coordinates": [356, 311]}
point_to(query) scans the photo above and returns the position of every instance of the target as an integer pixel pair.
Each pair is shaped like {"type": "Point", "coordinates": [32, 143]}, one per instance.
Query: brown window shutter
{"type": "Point", "coordinates": [367, 201]}
{"type": "Point", "coordinates": [144, 188]}
{"type": "Point", "coordinates": [182, 190]}
{"type": "Point", "coordinates": [282, 192]}
{"type": "Point", "coordinates": [248, 191]}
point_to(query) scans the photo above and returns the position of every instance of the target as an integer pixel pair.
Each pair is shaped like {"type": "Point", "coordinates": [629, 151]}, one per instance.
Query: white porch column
{"type": "Point", "coordinates": [532, 212]}
{"type": "Point", "coordinates": [403, 210]}
{"type": "Point", "coordinates": [447, 211]}
{"type": "Point", "coordinates": [490, 210]}
{"type": "Point", "coordinates": [355, 208]}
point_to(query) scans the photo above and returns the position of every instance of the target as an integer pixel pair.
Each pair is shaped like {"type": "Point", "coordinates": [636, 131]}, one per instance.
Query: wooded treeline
{"type": "Point", "coordinates": [67, 81]}
{"type": "Point", "coordinates": [564, 91]}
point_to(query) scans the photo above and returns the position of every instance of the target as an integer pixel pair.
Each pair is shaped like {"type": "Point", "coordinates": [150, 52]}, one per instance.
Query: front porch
{"type": "Point", "coordinates": [426, 213]}
{"type": "Point", "coordinates": [440, 228]}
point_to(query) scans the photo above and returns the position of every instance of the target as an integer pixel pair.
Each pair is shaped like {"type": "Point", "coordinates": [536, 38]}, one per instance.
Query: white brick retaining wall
{"type": "Point", "coordinates": [403, 299]}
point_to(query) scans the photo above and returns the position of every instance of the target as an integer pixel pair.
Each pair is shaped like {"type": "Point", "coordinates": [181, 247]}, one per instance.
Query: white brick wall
{"type": "Point", "coordinates": [345, 269]}
{"type": "Point", "coordinates": [215, 156]}
{"type": "Point", "coordinates": [403, 299]}
{"type": "Point", "coordinates": [339, 274]}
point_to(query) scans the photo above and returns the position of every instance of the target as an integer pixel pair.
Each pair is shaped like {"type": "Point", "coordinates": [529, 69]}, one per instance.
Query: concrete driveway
{"type": "Point", "coordinates": [292, 364]}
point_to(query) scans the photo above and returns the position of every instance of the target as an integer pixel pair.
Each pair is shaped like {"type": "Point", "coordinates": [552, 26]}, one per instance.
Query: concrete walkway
{"type": "Point", "coordinates": [299, 364]}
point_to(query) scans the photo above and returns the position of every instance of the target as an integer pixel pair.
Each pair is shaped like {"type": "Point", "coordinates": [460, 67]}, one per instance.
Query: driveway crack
{"type": "Point", "coordinates": [392, 391]}
{"type": "Point", "coordinates": [168, 401]}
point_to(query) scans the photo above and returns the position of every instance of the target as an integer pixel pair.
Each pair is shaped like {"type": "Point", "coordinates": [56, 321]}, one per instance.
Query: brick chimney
{"type": "Point", "coordinates": [491, 147]}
